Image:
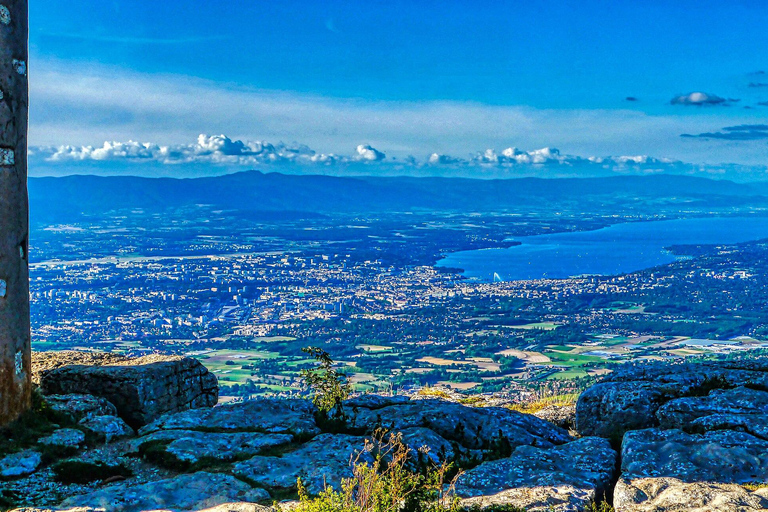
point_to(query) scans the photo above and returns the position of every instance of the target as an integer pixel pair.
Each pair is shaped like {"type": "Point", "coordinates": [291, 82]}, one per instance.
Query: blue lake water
{"type": "Point", "coordinates": [613, 250]}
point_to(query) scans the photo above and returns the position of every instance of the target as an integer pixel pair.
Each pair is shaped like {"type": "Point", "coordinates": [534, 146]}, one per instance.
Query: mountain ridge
{"type": "Point", "coordinates": [255, 190]}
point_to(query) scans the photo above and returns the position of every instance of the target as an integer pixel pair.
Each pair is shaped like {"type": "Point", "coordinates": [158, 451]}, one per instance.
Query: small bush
{"type": "Point", "coordinates": [753, 486]}
{"type": "Point", "coordinates": [329, 386]}
{"type": "Point", "coordinates": [387, 485]}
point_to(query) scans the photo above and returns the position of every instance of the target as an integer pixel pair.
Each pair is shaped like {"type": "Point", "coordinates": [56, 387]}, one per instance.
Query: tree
{"type": "Point", "coordinates": [329, 386]}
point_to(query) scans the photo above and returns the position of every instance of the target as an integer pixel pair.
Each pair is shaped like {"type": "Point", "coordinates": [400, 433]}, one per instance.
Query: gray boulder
{"type": "Point", "coordinates": [562, 478]}
{"type": "Point", "coordinates": [674, 495]}
{"type": "Point", "coordinates": [271, 415]}
{"type": "Point", "coordinates": [564, 416]}
{"type": "Point", "coordinates": [608, 409]}
{"type": "Point", "coordinates": [731, 406]}
{"type": "Point", "coordinates": [142, 389]}
{"type": "Point", "coordinates": [663, 468]}
{"type": "Point", "coordinates": [631, 397]}
{"type": "Point", "coordinates": [194, 491]}
{"type": "Point", "coordinates": [107, 428]}
{"type": "Point", "coordinates": [78, 407]}
{"type": "Point", "coordinates": [64, 437]}
{"type": "Point", "coordinates": [324, 460]}
{"type": "Point", "coordinates": [189, 446]}
{"type": "Point", "coordinates": [487, 428]}
{"type": "Point", "coordinates": [424, 445]}
{"type": "Point", "coordinates": [17, 465]}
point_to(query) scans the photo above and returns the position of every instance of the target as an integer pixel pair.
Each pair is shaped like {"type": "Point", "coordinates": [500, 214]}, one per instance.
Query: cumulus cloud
{"type": "Point", "coordinates": [700, 99]}
{"type": "Point", "coordinates": [368, 153]}
{"type": "Point", "coordinates": [438, 159]}
{"type": "Point", "coordinates": [739, 132]}
{"type": "Point", "coordinates": [208, 149]}
{"type": "Point", "coordinates": [217, 151]}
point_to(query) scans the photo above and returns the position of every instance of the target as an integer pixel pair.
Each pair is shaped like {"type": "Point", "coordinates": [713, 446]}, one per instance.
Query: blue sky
{"type": "Point", "coordinates": [409, 78]}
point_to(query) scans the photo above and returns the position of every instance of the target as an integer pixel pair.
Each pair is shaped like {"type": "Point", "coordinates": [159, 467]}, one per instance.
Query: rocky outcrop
{"type": "Point", "coordinates": [480, 428]}
{"type": "Point", "coordinates": [693, 437]}
{"type": "Point", "coordinates": [194, 491]}
{"type": "Point", "coordinates": [562, 478]}
{"type": "Point", "coordinates": [670, 470]}
{"type": "Point", "coordinates": [20, 464]}
{"type": "Point", "coordinates": [693, 434]}
{"type": "Point", "coordinates": [141, 389]}
{"type": "Point", "coordinates": [64, 437]}
{"type": "Point", "coordinates": [190, 446]}
{"type": "Point", "coordinates": [632, 397]}
{"type": "Point", "coordinates": [272, 415]}
{"type": "Point", "coordinates": [325, 460]}
{"type": "Point", "coordinates": [79, 407]}
{"type": "Point", "coordinates": [564, 416]}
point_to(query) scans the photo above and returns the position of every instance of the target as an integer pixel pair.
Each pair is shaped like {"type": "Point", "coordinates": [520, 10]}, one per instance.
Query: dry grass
{"type": "Point", "coordinates": [543, 402]}
{"type": "Point", "coordinates": [429, 391]}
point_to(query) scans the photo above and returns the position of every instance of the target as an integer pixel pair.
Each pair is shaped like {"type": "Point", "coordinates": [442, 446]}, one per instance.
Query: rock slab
{"type": "Point", "coordinates": [194, 491]}
{"type": "Point", "coordinates": [142, 389]}
{"type": "Point", "coordinates": [564, 478]}
{"type": "Point", "coordinates": [671, 470]}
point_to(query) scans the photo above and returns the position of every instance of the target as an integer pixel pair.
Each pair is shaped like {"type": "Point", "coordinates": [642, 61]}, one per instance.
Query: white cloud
{"type": "Point", "coordinates": [700, 99]}
{"type": "Point", "coordinates": [222, 152]}
{"type": "Point", "coordinates": [78, 105]}
{"type": "Point", "coordinates": [208, 149]}
{"type": "Point", "coordinates": [368, 153]}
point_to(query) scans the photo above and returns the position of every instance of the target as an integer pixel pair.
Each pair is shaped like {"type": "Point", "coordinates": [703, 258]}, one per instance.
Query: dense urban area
{"type": "Point", "coordinates": [245, 293]}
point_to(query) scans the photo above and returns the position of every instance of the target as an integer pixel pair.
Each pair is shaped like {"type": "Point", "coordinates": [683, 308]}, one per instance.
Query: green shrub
{"type": "Point", "coordinates": [329, 386]}
{"type": "Point", "coordinates": [388, 484]}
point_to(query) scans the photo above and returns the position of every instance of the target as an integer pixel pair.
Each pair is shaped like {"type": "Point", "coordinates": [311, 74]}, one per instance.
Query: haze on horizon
{"type": "Point", "coordinates": [450, 88]}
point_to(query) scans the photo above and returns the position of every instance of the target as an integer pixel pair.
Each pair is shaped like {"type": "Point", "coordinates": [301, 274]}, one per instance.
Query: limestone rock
{"type": "Point", "coordinates": [663, 468]}
{"type": "Point", "coordinates": [227, 507]}
{"type": "Point", "coordinates": [675, 495]}
{"type": "Point", "coordinates": [325, 459]}
{"type": "Point", "coordinates": [732, 406]}
{"type": "Point", "coordinates": [564, 416]}
{"type": "Point", "coordinates": [64, 437]}
{"type": "Point", "coordinates": [561, 478]}
{"type": "Point", "coordinates": [190, 446]}
{"type": "Point", "coordinates": [426, 445]}
{"type": "Point", "coordinates": [724, 456]}
{"type": "Point", "coordinates": [239, 507]}
{"type": "Point", "coordinates": [371, 401]}
{"type": "Point", "coordinates": [194, 491]}
{"type": "Point", "coordinates": [609, 409]}
{"type": "Point", "coordinates": [488, 428]}
{"type": "Point", "coordinates": [142, 389]}
{"type": "Point", "coordinates": [107, 428]}
{"type": "Point", "coordinates": [272, 415]}
{"type": "Point", "coordinates": [629, 398]}
{"type": "Point", "coordinates": [17, 465]}
{"type": "Point", "coordinates": [77, 407]}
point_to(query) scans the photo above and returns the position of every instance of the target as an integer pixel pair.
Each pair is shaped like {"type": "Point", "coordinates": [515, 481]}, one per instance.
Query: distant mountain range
{"type": "Point", "coordinates": [65, 197]}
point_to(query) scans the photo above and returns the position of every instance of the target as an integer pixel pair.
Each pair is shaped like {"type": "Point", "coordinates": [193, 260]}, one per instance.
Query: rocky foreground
{"type": "Point", "coordinates": [648, 438]}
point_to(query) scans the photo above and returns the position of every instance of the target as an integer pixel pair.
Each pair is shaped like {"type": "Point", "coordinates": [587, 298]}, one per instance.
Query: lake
{"type": "Point", "coordinates": [612, 250]}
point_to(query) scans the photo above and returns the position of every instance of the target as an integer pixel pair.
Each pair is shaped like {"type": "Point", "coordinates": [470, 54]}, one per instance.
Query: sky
{"type": "Point", "coordinates": [475, 88]}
